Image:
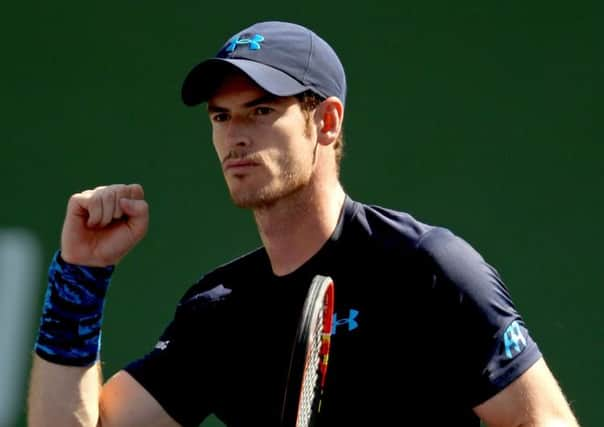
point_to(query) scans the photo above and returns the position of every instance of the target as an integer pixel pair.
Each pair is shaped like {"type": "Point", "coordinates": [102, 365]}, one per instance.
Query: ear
{"type": "Point", "coordinates": [329, 116]}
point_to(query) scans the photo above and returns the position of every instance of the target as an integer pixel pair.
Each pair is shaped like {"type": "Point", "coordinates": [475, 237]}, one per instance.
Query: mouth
{"type": "Point", "coordinates": [239, 165]}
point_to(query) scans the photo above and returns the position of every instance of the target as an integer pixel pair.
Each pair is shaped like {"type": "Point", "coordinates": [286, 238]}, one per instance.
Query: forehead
{"type": "Point", "coordinates": [236, 84]}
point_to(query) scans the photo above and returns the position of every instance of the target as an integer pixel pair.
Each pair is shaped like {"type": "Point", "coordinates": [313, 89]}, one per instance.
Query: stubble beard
{"type": "Point", "coordinates": [289, 184]}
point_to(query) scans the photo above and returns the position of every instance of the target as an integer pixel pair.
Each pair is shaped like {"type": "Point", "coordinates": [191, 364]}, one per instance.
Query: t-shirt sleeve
{"type": "Point", "coordinates": [180, 371]}
{"type": "Point", "coordinates": [494, 343]}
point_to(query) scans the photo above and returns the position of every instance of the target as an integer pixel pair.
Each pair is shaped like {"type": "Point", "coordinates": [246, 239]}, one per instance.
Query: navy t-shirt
{"type": "Point", "coordinates": [424, 330]}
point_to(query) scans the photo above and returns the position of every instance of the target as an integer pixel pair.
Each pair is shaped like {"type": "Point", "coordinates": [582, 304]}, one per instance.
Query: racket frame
{"type": "Point", "coordinates": [319, 303]}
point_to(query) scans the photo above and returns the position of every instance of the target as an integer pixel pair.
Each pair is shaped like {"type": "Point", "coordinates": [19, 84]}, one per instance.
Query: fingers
{"type": "Point", "coordinates": [134, 208]}
{"type": "Point", "coordinates": [108, 203]}
{"type": "Point", "coordinates": [137, 210]}
{"type": "Point", "coordinates": [104, 204]}
{"type": "Point", "coordinates": [138, 215]}
{"type": "Point", "coordinates": [120, 191]}
{"type": "Point", "coordinates": [136, 191]}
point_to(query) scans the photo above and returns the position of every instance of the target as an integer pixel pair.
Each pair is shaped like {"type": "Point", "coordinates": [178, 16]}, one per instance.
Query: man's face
{"type": "Point", "coordinates": [263, 142]}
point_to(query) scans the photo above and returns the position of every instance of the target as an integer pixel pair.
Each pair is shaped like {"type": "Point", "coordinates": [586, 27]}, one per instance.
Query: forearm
{"type": "Point", "coordinates": [66, 380]}
{"type": "Point", "coordinates": [533, 400]}
{"type": "Point", "coordinates": [553, 423]}
{"type": "Point", "coordinates": [561, 416]}
{"type": "Point", "coordinates": [100, 227]}
{"type": "Point", "coordinates": [63, 395]}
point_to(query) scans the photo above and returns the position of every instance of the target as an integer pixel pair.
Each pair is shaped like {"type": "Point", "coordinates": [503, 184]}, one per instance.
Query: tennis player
{"type": "Point", "coordinates": [425, 331]}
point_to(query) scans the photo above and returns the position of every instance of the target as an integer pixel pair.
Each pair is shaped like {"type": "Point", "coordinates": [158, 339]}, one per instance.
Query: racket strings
{"type": "Point", "coordinates": [311, 381]}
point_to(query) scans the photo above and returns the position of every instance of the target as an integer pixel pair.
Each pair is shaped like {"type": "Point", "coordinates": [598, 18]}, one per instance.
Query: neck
{"type": "Point", "coordinates": [295, 228]}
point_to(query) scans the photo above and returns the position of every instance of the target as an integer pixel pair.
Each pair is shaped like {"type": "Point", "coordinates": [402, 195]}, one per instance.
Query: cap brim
{"type": "Point", "coordinates": [204, 79]}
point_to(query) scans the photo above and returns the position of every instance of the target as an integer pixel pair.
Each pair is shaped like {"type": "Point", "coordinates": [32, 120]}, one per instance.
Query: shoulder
{"type": "Point", "coordinates": [386, 227]}
{"type": "Point", "coordinates": [390, 229]}
{"type": "Point", "coordinates": [455, 260]}
{"type": "Point", "coordinates": [444, 246]}
{"type": "Point", "coordinates": [462, 280]}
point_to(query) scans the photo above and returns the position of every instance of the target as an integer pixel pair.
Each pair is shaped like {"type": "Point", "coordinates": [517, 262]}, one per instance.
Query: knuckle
{"type": "Point", "coordinates": [96, 193]}
{"type": "Point", "coordinates": [107, 195]}
{"type": "Point", "coordinates": [117, 188]}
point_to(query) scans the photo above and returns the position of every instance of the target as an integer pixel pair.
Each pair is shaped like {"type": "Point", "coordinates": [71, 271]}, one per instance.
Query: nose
{"type": "Point", "coordinates": [238, 134]}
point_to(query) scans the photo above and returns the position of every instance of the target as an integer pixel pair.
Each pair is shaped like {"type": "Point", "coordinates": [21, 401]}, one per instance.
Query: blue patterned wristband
{"type": "Point", "coordinates": [70, 326]}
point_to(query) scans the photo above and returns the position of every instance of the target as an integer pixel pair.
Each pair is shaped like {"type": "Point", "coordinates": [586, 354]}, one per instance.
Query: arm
{"type": "Point", "coordinates": [511, 383]}
{"type": "Point", "coordinates": [67, 395]}
{"type": "Point", "coordinates": [125, 403]}
{"type": "Point", "coordinates": [533, 400]}
{"type": "Point", "coordinates": [100, 227]}
{"type": "Point", "coordinates": [74, 396]}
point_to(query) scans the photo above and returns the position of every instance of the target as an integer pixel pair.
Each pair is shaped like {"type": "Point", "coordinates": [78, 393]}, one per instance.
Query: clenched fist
{"type": "Point", "coordinates": [103, 225]}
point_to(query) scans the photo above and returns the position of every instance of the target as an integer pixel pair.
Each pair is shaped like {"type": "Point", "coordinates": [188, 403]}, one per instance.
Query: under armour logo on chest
{"type": "Point", "coordinates": [350, 321]}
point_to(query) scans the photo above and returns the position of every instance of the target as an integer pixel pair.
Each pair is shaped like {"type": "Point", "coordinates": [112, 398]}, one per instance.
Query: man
{"type": "Point", "coordinates": [451, 351]}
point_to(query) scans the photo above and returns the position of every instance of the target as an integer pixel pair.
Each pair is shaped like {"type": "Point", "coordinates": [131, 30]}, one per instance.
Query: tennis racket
{"type": "Point", "coordinates": [309, 357]}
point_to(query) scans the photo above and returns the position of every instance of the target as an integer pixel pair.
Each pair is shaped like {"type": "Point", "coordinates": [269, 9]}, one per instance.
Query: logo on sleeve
{"type": "Point", "coordinates": [216, 294]}
{"type": "Point", "coordinates": [162, 345]}
{"type": "Point", "coordinates": [514, 340]}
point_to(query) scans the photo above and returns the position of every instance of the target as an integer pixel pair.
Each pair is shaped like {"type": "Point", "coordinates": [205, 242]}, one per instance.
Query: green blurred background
{"type": "Point", "coordinates": [484, 117]}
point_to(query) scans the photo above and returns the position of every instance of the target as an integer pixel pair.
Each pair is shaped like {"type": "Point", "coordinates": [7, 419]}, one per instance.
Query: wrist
{"type": "Point", "coordinates": [75, 258]}
{"type": "Point", "coordinates": [70, 326]}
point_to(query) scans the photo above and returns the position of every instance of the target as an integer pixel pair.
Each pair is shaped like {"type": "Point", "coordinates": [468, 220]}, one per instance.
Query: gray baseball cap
{"type": "Point", "coordinates": [283, 58]}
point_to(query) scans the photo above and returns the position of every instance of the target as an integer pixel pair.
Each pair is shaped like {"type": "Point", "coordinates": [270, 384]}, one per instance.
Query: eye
{"type": "Point", "coordinates": [262, 111]}
{"type": "Point", "coordinates": [220, 117]}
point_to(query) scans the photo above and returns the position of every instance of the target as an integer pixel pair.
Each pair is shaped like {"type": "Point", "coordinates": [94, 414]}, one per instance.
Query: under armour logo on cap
{"type": "Point", "coordinates": [253, 43]}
